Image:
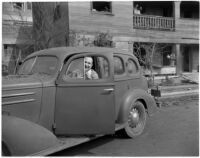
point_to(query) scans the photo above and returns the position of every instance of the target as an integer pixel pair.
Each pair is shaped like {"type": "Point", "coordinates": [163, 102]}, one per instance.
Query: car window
{"type": "Point", "coordinates": [39, 65]}
{"type": "Point", "coordinates": [132, 67]}
{"type": "Point", "coordinates": [87, 68]}
{"type": "Point", "coordinates": [26, 67]}
{"type": "Point", "coordinates": [75, 69]}
{"type": "Point", "coordinates": [45, 65]}
{"type": "Point", "coordinates": [118, 66]}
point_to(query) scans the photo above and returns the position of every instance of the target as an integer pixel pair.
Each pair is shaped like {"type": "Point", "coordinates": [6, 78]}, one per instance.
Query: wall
{"type": "Point", "coordinates": [120, 22]}
{"type": "Point", "coordinates": [120, 25]}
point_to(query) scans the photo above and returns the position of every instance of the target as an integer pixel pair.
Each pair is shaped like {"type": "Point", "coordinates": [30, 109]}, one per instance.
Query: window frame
{"type": "Point", "coordinates": [136, 65]}
{"type": "Point", "coordinates": [101, 12]}
{"type": "Point", "coordinates": [36, 58]}
{"type": "Point", "coordinates": [82, 55]}
{"type": "Point", "coordinates": [136, 75]}
{"type": "Point", "coordinates": [15, 6]}
{"type": "Point", "coordinates": [30, 5]}
{"type": "Point", "coordinates": [123, 64]}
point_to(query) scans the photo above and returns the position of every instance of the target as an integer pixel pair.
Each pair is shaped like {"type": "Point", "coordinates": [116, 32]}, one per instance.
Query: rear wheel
{"type": "Point", "coordinates": [136, 121]}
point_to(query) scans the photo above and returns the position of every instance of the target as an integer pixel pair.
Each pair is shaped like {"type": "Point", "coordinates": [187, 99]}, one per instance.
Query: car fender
{"type": "Point", "coordinates": [130, 97]}
{"type": "Point", "coordinates": [22, 137]}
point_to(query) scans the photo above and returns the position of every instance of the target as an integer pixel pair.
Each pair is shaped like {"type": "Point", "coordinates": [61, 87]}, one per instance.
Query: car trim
{"type": "Point", "coordinates": [16, 95]}
{"type": "Point", "coordinates": [17, 102]}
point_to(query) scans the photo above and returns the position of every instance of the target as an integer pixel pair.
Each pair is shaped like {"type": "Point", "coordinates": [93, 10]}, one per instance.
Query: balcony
{"type": "Point", "coordinates": [153, 22]}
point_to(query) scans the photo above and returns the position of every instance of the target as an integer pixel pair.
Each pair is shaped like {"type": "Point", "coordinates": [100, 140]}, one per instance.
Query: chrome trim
{"type": "Point", "coordinates": [20, 88]}
{"type": "Point", "coordinates": [109, 89]}
{"type": "Point", "coordinates": [17, 102]}
{"type": "Point", "coordinates": [18, 94]}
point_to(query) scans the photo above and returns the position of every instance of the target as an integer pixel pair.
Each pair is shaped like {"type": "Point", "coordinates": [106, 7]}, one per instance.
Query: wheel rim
{"type": "Point", "coordinates": [137, 119]}
{"type": "Point", "coordinates": [133, 118]}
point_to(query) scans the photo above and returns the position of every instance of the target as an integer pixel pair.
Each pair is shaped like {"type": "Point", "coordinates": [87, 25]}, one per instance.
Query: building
{"type": "Point", "coordinates": [128, 23]}
{"type": "Point", "coordinates": [16, 28]}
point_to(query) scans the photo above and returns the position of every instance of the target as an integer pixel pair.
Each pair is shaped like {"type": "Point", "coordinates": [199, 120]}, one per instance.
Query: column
{"type": "Point", "coordinates": [179, 59]}
{"type": "Point", "coordinates": [176, 9]}
{"type": "Point", "coordinates": [176, 12]}
{"type": "Point", "coordinates": [130, 46]}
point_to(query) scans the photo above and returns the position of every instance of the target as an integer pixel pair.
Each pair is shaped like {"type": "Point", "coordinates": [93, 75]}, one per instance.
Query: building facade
{"type": "Point", "coordinates": [128, 23]}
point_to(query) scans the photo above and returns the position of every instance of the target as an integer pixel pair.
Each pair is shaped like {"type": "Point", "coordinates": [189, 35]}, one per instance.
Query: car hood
{"type": "Point", "coordinates": [12, 82]}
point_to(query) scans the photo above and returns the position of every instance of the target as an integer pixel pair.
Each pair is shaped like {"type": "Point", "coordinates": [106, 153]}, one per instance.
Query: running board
{"type": "Point", "coordinates": [68, 142]}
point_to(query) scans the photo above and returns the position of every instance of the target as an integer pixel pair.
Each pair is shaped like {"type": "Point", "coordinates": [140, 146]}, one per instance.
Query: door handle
{"type": "Point", "coordinates": [109, 90]}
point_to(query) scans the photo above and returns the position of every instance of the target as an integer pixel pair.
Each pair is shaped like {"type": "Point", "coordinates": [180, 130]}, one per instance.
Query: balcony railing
{"type": "Point", "coordinates": [153, 22]}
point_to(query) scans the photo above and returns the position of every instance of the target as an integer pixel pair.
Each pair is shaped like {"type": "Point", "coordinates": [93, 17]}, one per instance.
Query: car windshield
{"type": "Point", "coordinates": [39, 65]}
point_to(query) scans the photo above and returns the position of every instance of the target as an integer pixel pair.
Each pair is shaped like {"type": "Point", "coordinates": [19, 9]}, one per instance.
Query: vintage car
{"type": "Point", "coordinates": [48, 101]}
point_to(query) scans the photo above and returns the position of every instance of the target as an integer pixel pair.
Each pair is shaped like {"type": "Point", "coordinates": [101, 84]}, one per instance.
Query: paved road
{"type": "Point", "coordinates": [173, 131]}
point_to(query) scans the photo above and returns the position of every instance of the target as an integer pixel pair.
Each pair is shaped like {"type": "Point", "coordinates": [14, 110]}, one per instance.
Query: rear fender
{"type": "Point", "coordinates": [22, 137]}
{"type": "Point", "coordinates": [130, 97]}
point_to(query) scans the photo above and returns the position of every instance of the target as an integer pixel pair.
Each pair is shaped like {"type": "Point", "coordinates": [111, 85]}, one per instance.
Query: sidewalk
{"type": "Point", "coordinates": [179, 86]}
{"type": "Point", "coordinates": [179, 91]}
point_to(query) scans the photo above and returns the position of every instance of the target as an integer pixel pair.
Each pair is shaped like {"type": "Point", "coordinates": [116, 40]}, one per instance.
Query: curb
{"type": "Point", "coordinates": [179, 94]}
{"type": "Point", "coordinates": [179, 87]}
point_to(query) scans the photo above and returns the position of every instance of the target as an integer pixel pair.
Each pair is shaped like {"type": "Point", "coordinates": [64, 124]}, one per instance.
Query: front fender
{"type": "Point", "coordinates": [130, 97]}
{"type": "Point", "coordinates": [23, 137]}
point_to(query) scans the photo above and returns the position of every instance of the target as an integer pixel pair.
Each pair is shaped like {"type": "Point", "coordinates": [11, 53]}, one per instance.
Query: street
{"type": "Point", "coordinates": [172, 131]}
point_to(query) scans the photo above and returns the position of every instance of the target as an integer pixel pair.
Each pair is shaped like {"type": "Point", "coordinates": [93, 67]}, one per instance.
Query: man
{"type": "Point", "coordinates": [89, 72]}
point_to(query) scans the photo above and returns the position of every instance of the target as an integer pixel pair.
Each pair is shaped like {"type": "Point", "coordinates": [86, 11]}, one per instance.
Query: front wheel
{"type": "Point", "coordinates": [136, 121]}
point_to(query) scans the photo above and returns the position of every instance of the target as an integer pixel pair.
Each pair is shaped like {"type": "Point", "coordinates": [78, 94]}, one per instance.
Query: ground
{"type": "Point", "coordinates": [172, 131]}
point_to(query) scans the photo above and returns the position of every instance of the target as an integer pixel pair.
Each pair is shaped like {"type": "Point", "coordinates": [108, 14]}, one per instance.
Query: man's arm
{"type": "Point", "coordinates": [94, 75]}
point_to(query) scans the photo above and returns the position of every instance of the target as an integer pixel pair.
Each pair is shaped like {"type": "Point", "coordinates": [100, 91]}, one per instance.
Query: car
{"type": "Point", "coordinates": [49, 100]}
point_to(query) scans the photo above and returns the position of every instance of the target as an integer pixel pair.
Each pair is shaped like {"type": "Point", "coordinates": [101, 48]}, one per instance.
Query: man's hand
{"type": "Point", "coordinates": [88, 75]}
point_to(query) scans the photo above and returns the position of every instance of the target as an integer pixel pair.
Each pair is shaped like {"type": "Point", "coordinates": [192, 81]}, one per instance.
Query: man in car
{"type": "Point", "coordinates": [89, 72]}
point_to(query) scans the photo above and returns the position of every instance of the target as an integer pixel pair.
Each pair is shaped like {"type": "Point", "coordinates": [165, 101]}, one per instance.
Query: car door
{"type": "Point", "coordinates": [85, 106]}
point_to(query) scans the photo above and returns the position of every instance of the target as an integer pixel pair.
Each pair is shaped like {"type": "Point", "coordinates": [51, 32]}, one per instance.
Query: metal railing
{"type": "Point", "coordinates": [153, 22]}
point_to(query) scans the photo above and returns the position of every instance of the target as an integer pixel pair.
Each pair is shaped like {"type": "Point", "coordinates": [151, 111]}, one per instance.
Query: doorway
{"type": "Point", "coordinates": [186, 59]}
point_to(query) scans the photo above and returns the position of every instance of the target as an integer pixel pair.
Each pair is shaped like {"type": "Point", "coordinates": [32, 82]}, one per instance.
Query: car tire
{"type": "Point", "coordinates": [136, 121]}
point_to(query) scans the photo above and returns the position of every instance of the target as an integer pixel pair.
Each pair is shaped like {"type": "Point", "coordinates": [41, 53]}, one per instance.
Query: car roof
{"type": "Point", "coordinates": [63, 52]}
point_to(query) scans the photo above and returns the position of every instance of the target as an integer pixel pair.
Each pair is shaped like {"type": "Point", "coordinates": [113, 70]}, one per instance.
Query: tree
{"type": "Point", "coordinates": [50, 24]}
{"type": "Point", "coordinates": [146, 52]}
{"type": "Point", "coordinates": [50, 28]}
{"type": "Point", "coordinates": [15, 22]}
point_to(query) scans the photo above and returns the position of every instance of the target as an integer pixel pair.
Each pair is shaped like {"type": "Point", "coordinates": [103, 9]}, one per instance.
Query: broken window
{"type": "Point", "coordinates": [18, 5]}
{"type": "Point", "coordinates": [29, 5]}
{"type": "Point", "coordinates": [101, 7]}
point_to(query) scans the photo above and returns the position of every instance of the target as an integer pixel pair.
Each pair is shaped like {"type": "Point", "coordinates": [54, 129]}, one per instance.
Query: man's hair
{"type": "Point", "coordinates": [89, 57]}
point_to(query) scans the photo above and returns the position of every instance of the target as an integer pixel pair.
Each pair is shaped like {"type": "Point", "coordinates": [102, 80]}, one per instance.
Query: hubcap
{"type": "Point", "coordinates": [134, 117]}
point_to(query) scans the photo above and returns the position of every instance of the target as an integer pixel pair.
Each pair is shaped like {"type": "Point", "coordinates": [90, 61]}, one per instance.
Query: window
{"type": "Point", "coordinates": [168, 56]}
{"type": "Point", "coordinates": [18, 5]}
{"type": "Point", "coordinates": [101, 6]}
{"type": "Point", "coordinates": [29, 5]}
{"type": "Point", "coordinates": [118, 66]}
{"type": "Point", "coordinates": [132, 67]}
{"type": "Point", "coordinates": [75, 69]}
{"type": "Point", "coordinates": [87, 68]}
{"type": "Point", "coordinates": [43, 65]}
{"type": "Point", "coordinates": [26, 68]}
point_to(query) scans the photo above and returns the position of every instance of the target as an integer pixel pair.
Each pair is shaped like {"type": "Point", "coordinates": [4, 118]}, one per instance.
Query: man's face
{"type": "Point", "coordinates": [88, 63]}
